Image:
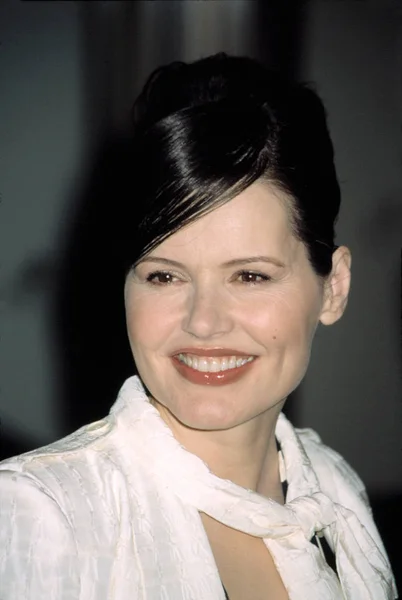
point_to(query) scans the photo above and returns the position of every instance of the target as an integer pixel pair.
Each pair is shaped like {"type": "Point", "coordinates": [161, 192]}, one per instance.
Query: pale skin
{"type": "Point", "coordinates": [189, 293]}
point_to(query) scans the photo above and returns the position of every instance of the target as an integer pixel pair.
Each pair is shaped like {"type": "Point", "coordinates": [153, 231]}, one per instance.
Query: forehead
{"type": "Point", "coordinates": [255, 221]}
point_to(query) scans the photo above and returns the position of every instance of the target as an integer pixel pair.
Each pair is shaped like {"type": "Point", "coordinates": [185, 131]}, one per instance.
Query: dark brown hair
{"type": "Point", "coordinates": [206, 130]}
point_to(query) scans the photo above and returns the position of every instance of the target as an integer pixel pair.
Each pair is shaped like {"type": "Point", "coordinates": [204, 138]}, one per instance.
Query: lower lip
{"type": "Point", "coordinates": [216, 379]}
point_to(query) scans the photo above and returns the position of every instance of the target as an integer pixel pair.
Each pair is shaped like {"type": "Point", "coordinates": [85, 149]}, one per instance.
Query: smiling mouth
{"type": "Point", "coordinates": [206, 364]}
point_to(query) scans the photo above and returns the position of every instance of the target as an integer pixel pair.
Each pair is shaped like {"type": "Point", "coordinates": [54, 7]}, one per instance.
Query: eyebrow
{"type": "Point", "coordinates": [230, 263]}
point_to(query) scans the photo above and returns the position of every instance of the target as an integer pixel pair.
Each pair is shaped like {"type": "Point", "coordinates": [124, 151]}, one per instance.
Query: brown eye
{"type": "Point", "coordinates": [252, 278]}
{"type": "Point", "coordinates": [160, 278]}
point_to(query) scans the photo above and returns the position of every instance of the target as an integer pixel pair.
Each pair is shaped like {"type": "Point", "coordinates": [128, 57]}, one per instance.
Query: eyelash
{"type": "Point", "coordinates": [152, 276]}
{"type": "Point", "coordinates": [263, 278]}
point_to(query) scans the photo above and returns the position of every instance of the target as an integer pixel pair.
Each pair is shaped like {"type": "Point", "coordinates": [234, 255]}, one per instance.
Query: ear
{"type": "Point", "coordinates": [337, 285]}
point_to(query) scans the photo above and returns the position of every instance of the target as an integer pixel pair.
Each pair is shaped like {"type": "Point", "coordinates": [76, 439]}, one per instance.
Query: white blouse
{"type": "Point", "coordinates": [111, 512]}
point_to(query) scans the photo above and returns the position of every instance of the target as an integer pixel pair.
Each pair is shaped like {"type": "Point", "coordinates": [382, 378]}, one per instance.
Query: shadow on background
{"type": "Point", "coordinates": [89, 319]}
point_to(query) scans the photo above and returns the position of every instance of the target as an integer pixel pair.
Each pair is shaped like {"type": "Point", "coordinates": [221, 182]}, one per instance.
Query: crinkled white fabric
{"type": "Point", "coordinates": [112, 513]}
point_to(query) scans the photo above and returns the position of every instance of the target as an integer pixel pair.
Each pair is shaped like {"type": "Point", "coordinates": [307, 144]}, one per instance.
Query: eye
{"type": "Point", "coordinates": [252, 277]}
{"type": "Point", "coordinates": [161, 278]}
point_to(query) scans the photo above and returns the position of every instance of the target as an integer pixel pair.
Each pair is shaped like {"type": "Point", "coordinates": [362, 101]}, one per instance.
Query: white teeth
{"type": "Point", "coordinates": [213, 364]}
{"type": "Point", "coordinates": [203, 365]}
{"type": "Point", "coordinates": [232, 362]}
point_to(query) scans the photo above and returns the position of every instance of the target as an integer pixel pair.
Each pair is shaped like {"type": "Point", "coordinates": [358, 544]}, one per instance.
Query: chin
{"type": "Point", "coordinates": [202, 415]}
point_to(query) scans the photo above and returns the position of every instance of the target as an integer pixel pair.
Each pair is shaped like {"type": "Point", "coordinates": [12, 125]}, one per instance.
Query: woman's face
{"type": "Point", "coordinates": [222, 314]}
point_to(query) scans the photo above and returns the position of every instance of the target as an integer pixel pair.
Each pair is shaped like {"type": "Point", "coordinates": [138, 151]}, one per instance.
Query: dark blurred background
{"type": "Point", "coordinates": [69, 72]}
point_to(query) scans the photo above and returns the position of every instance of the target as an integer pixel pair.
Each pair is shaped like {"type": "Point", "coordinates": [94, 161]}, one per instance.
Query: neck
{"type": "Point", "coordinates": [246, 454]}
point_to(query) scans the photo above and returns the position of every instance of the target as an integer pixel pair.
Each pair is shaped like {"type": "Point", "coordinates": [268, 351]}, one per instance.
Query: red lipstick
{"type": "Point", "coordinates": [214, 379]}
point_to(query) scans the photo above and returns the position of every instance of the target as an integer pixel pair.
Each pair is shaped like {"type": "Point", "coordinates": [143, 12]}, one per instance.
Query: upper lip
{"type": "Point", "coordinates": [212, 352]}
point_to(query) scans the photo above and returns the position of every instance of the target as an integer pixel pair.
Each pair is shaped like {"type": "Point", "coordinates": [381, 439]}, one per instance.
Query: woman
{"type": "Point", "coordinates": [196, 486]}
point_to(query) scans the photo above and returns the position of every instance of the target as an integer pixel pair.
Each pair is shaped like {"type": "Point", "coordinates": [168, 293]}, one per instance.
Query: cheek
{"type": "Point", "coordinates": [282, 319]}
{"type": "Point", "coordinates": [149, 318]}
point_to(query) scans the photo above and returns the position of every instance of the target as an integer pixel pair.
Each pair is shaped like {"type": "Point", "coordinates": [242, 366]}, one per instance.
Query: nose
{"type": "Point", "coordinates": [207, 313]}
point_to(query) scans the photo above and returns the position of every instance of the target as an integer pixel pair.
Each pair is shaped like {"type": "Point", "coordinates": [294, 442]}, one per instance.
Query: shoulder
{"type": "Point", "coordinates": [89, 467]}
{"type": "Point", "coordinates": [67, 471]}
{"type": "Point", "coordinates": [95, 444]}
{"type": "Point", "coordinates": [48, 498]}
{"type": "Point", "coordinates": [38, 554]}
{"type": "Point", "coordinates": [81, 441]}
{"type": "Point", "coordinates": [61, 513]}
{"type": "Point", "coordinates": [82, 438]}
